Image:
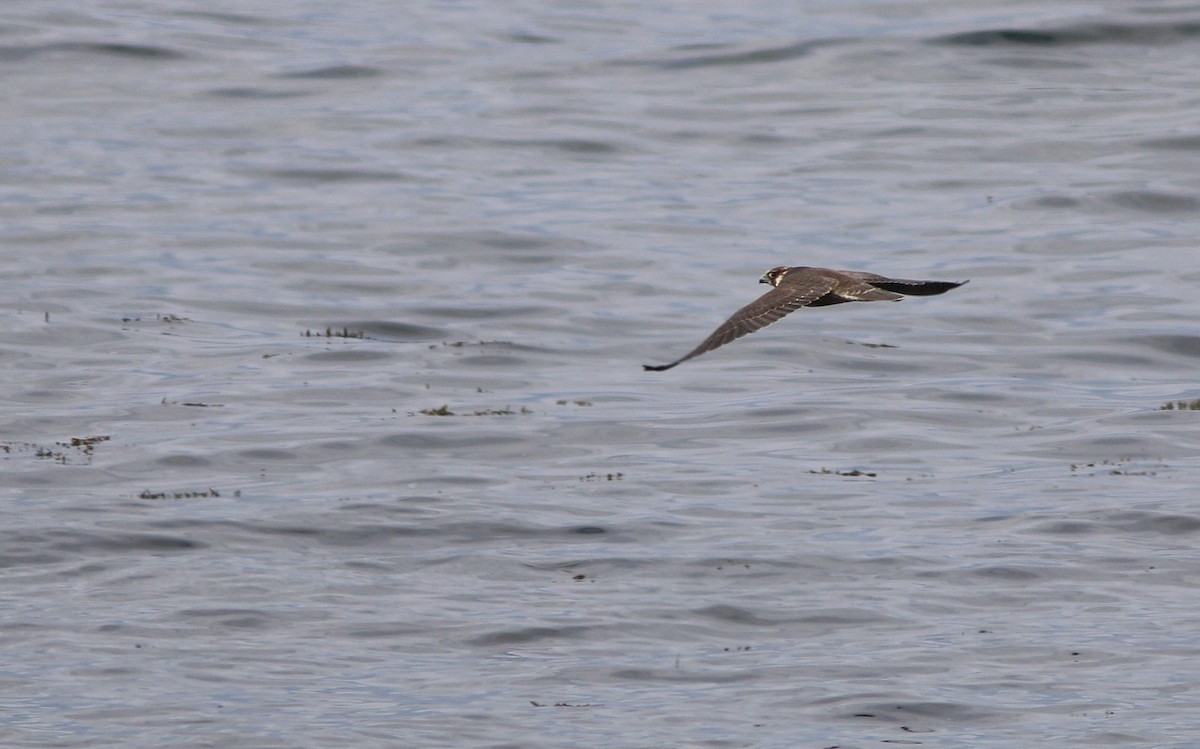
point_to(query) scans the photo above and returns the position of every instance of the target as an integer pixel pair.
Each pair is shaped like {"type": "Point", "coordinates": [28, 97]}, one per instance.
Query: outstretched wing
{"type": "Point", "coordinates": [905, 286]}
{"type": "Point", "coordinates": [772, 306]}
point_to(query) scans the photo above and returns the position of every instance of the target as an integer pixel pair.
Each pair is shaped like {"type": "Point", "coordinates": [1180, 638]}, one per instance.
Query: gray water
{"type": "Point", "coordinates": [323, 422]}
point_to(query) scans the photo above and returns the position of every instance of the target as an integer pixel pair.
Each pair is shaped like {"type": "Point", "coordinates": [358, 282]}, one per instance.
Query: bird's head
{"type": "Point", "coordinates": [775, 275]}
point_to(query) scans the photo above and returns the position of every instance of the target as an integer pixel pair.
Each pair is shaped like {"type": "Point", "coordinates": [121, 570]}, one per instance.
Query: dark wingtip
{"type": "Point", "coordinates": [660, 368]}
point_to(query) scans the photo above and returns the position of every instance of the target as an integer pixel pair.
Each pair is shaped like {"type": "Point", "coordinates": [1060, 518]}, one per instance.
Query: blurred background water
{"type": "Point", "coordinates": [323, 420]}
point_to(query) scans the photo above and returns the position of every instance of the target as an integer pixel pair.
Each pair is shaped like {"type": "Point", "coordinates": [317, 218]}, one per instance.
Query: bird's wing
{"type": "Point", "coordinates": [760, 313]}
{"type": "Point", "coordinates": [903, 285]}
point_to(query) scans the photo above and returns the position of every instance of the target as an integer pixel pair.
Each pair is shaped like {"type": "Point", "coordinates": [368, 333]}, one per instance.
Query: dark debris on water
{"type": "Point", "coordinates": [61, 452]}
{"type": "Point", "coordinates": [1192, 405]}
{"type": "Point", "coordinates": [201, 494]}
{"type": "Point", "coordinates": [851, 473]}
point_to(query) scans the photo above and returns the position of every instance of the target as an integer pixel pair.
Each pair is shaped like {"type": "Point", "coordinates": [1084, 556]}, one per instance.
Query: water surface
{"type": "Point", "coordinates": [324, 421]}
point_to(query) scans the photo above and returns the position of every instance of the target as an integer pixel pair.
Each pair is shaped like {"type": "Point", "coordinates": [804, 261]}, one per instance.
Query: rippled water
{"type": "Point", "coordinates": [324, 421]}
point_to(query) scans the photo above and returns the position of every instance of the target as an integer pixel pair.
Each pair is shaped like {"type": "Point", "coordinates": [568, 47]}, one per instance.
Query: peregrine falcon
{"type": "Point", "coordinates": [793, 288]}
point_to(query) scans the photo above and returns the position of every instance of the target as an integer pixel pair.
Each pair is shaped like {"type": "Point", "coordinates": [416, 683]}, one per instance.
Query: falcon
{"type": "Point", "coordinates": [793, 288]}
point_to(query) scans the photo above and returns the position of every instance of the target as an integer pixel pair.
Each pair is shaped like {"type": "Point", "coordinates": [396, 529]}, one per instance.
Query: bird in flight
{"type": "Point", "coordinates": [793, 288]}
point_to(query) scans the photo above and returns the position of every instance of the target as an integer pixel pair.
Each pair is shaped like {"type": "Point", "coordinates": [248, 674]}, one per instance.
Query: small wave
{"type": "Point", "coordinates": [106, 49]}
{"type": "Point", "coordinates": [335, 71]}
{"type": "Point", "coordinates": [1174, 143]}
{"type": "Point", "coordinates": [566, 145]}
{"type": "Point", "coordinates": [123, 542]}
{"type": "Point", "coordinates": [1165, 524]}
{"type": "Point", "coordinates": [247, 92]}
{"type": "Point", "coordinates": [740, 56]}
{"type": "Point", "coordinates": [1185, 345]}
{"type": "Point", "coordinates": [1153, 201]}
{"type": "Point", "coordinates": [526, 635]}
{"type": "Point", "coordinates": [1092, 33]}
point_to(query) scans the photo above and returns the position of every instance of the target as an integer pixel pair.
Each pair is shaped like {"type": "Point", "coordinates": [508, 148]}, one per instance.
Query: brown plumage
{"type": "Point", "coordinates": [798, 287]}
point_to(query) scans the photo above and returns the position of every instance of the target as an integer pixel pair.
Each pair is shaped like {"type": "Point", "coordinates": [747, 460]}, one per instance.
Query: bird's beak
{"type": "Point", "coordinates": [764, 279]}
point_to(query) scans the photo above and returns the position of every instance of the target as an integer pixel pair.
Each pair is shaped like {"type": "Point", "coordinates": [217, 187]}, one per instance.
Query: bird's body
{"type": "Point", "coordinates": [793, 288]}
